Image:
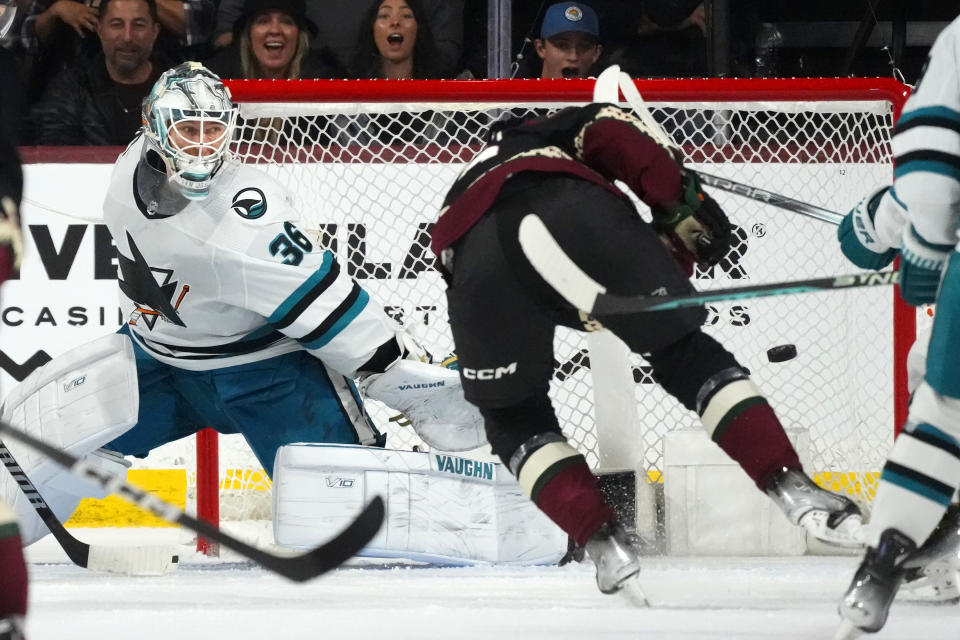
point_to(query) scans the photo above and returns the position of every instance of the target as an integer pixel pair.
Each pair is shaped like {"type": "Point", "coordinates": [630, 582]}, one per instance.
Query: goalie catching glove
{"type": "Point", "coordinates": [696, 226]}
{"type": "Point", "coordinates": [430, 397]}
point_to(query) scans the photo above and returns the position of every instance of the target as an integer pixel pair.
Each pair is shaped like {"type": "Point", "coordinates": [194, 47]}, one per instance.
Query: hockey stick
{"type": "Point", "coordinates": [768, 197]}
{"type": "Point", "coordinates": [583, 292]}
{"type": "Point", "coordinates": [299, 568]}
{"type": "Point", "coordinates": [130, 560]}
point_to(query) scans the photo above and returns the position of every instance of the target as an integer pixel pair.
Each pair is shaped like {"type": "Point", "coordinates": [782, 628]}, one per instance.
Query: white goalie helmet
{"type": "Point", "coordinates": [189, 121]}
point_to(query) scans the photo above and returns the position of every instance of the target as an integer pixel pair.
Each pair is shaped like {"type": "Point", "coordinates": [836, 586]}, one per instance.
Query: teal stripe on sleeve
{"type": "Point", "coordinates": [358, 305]}
{"type": "Point", "coordinates": [287, 305]}
{"type": "Point", "coordinates": [929, 112]}
{"type": "Point", "coordinates": [927, 166]}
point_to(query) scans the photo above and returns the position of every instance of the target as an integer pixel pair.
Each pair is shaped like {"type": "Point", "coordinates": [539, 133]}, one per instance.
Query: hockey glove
{"type": "Point", "coordinates": [921, 268]}
{"type": "Point", "coordinates": [697, 222]}
{"type": "Point", "coordinates": [859, 240]}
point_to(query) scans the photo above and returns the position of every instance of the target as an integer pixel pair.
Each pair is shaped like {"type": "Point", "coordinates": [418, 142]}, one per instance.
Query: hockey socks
{"type": "Point", "coordinates": [922, 471]}
{"type": "Point", "coordinates": [13, 571]}
{"type": "Point", "coordinates": [917, 483]}
{"type": "Point", "coordinates": [741, 421]}
{"type": "Point", "coordinates": [558, 480]}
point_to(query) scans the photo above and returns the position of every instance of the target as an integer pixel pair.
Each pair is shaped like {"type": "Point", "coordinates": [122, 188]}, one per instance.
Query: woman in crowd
{"type": "Point", "coordinates": [272, 41]}
{"type": "Point", "coordinates": [398, 43]}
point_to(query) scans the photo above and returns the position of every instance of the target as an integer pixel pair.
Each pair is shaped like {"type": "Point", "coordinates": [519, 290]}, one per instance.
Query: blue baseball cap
{"type": "Point", "coordinates": [570, 16]}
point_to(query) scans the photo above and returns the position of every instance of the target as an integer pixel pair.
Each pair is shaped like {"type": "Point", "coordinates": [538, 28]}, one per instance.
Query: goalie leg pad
{"type": "Point", "coordinates": [431, 398]}
{"type": "Point", "coordinates": [78, 402]}
{"type": "Point", "coordinates": [440, 508]}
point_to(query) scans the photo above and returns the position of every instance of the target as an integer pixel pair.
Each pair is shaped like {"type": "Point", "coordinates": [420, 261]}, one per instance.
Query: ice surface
{"type": "Point", "coordinates": [692, 598]}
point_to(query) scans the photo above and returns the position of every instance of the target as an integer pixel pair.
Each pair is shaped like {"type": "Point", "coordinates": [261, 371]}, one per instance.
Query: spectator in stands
{"type": "Point", "coordinates": [341, 25]}
{"type": "Point", "coordinates": [569, 42]}
{"type": "Point", "coordinates": [671, 41]}
{"type": "Point", "coordinates": [98, 103]}
{"type": "Point", "coordinates": [272, 41]}
{"type": "Point", "coordinates": [398, 44]}
{"type": "Point", "coordinates": [59, 33]}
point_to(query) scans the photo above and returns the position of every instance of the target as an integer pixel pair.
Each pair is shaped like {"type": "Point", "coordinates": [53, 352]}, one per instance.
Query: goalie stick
{"type": "Point", "coordinates": [130, 560]}
{"type": "Point", "coordinates": [583, 292]}
{"type": "Point", "coordinates": [299, 568]}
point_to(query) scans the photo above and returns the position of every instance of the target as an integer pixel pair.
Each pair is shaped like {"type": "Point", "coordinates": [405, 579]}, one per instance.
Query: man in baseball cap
{"type": "Point", "coordinates": [569, 42]}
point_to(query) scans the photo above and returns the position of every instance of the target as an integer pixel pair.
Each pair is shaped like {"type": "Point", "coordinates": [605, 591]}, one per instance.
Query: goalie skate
{"type": "Point", "coordinates": [867, 601]}
{"type": "Point", "coordinates": [616, 561]}
{"type": "Point", "coordinates": [831, 518]}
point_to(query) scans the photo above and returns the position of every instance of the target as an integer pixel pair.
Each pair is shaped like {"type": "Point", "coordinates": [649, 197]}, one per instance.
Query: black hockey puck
{"type": "Point", "coordinates": [782, 353]}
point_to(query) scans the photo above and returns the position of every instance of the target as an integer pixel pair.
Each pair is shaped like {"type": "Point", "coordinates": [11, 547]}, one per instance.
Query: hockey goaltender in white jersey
{"type": "Point", "coordinates": [237, 321]}
{"type": "Point", "coordinates": [248, 284]}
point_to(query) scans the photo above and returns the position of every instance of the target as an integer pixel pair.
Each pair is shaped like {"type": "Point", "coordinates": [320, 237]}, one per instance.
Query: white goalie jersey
{"type": "Point", "coordinates": [231, 279]}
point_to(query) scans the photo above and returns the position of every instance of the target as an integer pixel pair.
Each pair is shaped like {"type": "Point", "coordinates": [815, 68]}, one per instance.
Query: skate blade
{"type": "Point", "coordinates": [633, 592]}
{"type": "Point", "coordinates": [847, 631]}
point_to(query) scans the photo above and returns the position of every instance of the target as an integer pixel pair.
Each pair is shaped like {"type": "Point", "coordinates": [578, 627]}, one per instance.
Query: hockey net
{"type": "Point", "coordinates": [369, 163]}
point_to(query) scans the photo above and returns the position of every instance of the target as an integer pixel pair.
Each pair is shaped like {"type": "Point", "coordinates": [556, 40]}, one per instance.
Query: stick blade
{"type": "Point", "coordinates": [347, 544]}
{"type": "Point", "coordinates": [555, 266]}
{"type": "Point", "coordinates": [142, 560]}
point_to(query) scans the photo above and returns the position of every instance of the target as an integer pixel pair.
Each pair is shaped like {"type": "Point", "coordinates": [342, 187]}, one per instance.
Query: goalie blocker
{"type": "Point", "coordinates": [441, 509]}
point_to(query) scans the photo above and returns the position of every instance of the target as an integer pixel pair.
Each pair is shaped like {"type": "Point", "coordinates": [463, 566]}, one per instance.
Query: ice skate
{"type": "Point", "coordinates": [11, 628]}
{"type": "Point", "coordinates": [867, 601]}
{"type": "Point", "coordinates": [935, 583]}
{"type": "Point", "coordinates": [616, 560]}
{"type": "Point", "coordinates": [933, 573]}
{"type": "Point", "coordinates": [829, 517]}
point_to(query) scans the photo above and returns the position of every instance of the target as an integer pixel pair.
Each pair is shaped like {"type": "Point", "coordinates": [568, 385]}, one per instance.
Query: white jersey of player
{"type": "Point", "coordinates": [230, 279]}
{"type": "Point", "coordinates": [926, 148]}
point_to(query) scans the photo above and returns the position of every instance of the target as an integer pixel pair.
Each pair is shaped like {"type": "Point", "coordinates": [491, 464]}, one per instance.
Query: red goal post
{"type": "Point", "coordinates": [370, 161]}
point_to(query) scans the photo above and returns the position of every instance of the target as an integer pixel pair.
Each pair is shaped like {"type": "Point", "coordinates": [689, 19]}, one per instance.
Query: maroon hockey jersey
{"type": "Point", "coordinates": [599, 143]}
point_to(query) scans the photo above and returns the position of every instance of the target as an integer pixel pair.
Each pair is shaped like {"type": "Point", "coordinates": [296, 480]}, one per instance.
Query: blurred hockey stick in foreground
{"type": "Point", "coordinates": [130, 560]}
{"type": "Point", "coordinates": [612, 78]}
{"type": "Point", "coordinates": [298, 568]}
{"type": "Point", "coordinates": [583, 292]}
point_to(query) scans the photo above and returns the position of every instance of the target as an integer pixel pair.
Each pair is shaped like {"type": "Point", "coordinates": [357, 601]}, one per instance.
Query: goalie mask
{"type": "Point", "coordinates": [189, 120]}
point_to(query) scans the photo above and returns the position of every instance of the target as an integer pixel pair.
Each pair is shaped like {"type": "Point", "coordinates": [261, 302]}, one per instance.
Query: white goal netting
{"type": "Point", "coordinates": [369, 178]}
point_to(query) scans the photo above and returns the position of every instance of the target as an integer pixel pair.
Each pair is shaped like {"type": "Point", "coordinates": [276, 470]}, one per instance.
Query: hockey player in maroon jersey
{"type": "Point", "coordinates": [503, 314]}
{"type": "Point", "coordinates": [13, 570]}
{"type": "Point", "coordinates": [13, 577]}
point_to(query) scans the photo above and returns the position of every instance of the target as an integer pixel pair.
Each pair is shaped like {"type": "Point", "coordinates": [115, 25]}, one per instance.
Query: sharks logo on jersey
{"type": "Point", "coordinates": [249, 203]}
{"type": "Point", "coordinates": [151, 288]}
